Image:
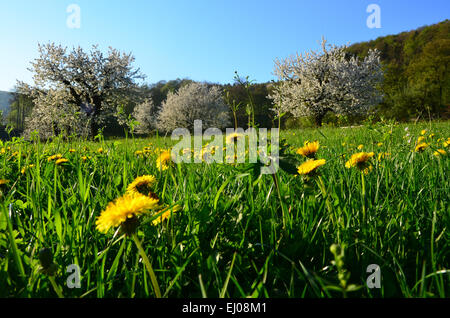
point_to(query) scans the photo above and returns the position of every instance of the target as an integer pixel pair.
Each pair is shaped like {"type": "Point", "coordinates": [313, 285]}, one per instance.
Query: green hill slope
{"type": "Point", "coordinates": [417, 78]}
{"type": "Point", "coordinates": [5, 101]}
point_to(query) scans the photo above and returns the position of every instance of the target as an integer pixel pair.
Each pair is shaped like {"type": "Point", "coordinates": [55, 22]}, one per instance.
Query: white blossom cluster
{"type": "Point", "coordinates": [73, 89]}
{"type": "Point", "coordinates": [180, 109]}
{"type": "Point", "coordinates": [53, 115]}
{"type": "Point", "coordinates": [145, 113]}
{"type": "Point", "coordinates": [328, 80]}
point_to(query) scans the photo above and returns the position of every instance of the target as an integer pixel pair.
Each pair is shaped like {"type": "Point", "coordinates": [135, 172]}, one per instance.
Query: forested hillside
{"type": "Point", "coordinates": [5, 100]}
{"type": "Point", "coordinates": [417, 73]}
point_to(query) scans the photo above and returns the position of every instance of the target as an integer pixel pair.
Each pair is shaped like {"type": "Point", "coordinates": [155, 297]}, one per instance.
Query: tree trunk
{"type": "Point", "coordinates": [94, 128]}
{"type": "Point", "coordinates": [97, 102]}
{"type": "Point", "coordinates": [319, 118]}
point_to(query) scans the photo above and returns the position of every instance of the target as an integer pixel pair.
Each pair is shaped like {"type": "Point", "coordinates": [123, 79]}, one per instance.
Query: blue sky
{"type": "Point", "coordinates": [204, 40]}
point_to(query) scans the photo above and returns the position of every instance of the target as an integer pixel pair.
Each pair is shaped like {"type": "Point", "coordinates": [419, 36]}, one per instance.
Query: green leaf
{"type": "Point", "coordinates": [335, 288]}
{"type": "Point", "coordinates": [113, 269]}
{"type": "Point", "coordinates": [19, 204]}
{"type": "Point", "coordinates": [289, 165]}
{"type": "Point", "coordinates": [58, 225]}
{"type": "Point", "coordinates": [117, 180]}
{"type": "Point", "coordinates": [353, 287]}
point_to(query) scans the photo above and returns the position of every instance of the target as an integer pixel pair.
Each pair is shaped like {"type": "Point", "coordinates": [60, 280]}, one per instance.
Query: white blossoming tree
{"type": "Point", "coordinates": [145, 114]}
{"type": "Point", "coordinates": [191, 102]}
{"type": "Point", "coordinates": [328, 80]}
{"type": "Point", "coordinates": [52, 115]}
{"type": "Point", "coordinates": [94, 85]}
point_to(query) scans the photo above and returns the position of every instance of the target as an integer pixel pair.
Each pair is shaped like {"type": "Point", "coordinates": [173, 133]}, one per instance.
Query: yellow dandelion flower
{"type": "Point", "coordinates": [360, 147]}
{"type": "Point", "coordinates": [142, 185]}
{"type": "Point", "coordinates": [231, 138]}
{"type": "Point", "coordinates": [420, 139]}
{"type": "Point", "coordinates": [100, 150]}
{"type": "Point", "coordinates": [421, 147]}
{"type": "Point", "coordinates": [3, 181]}
{"type": "Point", "coordinates": [309, 149]}
{"type": "Point", "coordinates": [3, 150]}
{"type": "Point", "coordinates": [123, 209]}
{"type": "Point", "coordinates": [138, 152]}
{"type": "Point", "coordinates": [24, 169]}
{"type": "Point", "coordinates": [54, 157]}
{"type": "Point", "coordinates": [446, 143]}
{"type": "Point", "coordinates": [231, 158]}
{"type": "Point", "coordinates": [72, 150]}
{"type": "Point", "coordinates": [423, 132]}
{"type": "Point", "coordinates": [85, 158]}
{"type": "Point", "coordinates": [383, 155]}
{"type": "Point", "coordinates": [61, 161]}
{"type": "Point", "coordinates": [379, 144]}
{"type": "Point", "coordinates": [440, 152]}
{"type": "Point", "coordinates": [163, 160]}
{"type": "Point", "coordinates": [167, 214]}
{"type": "Point", "coordinates": [310, 166]}
{"type": "Point", "coordinates": [431, 135]}
{"type": "Point", "coordinates": [367, 169]}
{"type": "Point", "coordinates": [360, 160]}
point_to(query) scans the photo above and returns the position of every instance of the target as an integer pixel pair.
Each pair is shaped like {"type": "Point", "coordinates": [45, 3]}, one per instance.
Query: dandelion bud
{"type": "Point", "coordinates": [129, 226]}
{"type": "Point", "coordinates": [46, 257]}
{"type": "Point", "coordinates": [335, 249]}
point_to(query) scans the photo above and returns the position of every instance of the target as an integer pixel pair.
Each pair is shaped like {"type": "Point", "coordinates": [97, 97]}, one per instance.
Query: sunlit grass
{"type": "Point", "coordinates": [236, 234]}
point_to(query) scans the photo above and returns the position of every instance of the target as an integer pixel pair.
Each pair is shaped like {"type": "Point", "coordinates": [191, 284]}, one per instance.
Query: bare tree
{"type": "Point", "coordinates": [330, 80]}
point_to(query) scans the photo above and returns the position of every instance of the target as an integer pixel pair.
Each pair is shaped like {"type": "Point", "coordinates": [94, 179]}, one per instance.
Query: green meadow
{"type": "Point", "coordinates": [237, 233]}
